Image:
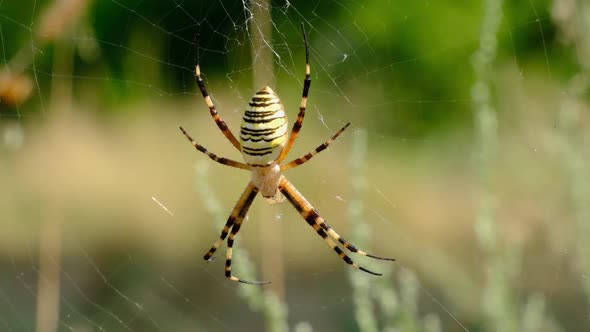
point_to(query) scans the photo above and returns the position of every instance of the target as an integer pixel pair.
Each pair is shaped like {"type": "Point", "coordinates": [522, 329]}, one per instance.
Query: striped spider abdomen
{"type": "Point", "coordinates": [263, 131]}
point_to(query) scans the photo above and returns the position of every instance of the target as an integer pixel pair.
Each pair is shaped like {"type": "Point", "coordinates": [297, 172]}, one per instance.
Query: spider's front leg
{"type": "Point", "coordinates": [310, 214]}
{"type": "Point", "coordinates": [235, 222]}
{"type": "Point", "coordinates": [239, 211]}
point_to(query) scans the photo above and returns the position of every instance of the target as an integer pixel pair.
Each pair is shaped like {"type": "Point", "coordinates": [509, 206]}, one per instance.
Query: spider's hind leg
{"type": "Point", "coordinates": [212, 110]}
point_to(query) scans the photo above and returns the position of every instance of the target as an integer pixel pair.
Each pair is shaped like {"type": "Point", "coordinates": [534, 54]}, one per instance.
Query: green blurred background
{"type": "Point", "coordinates": [467, 160]}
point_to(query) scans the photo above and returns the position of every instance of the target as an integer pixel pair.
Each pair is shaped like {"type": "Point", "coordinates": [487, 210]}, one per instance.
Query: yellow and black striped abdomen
{"type": "Point", "coordinates": [264, 128]}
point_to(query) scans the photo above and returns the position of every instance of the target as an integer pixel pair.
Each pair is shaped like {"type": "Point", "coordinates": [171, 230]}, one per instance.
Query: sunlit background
{"type": "Point", "coordinates": [467, 160]}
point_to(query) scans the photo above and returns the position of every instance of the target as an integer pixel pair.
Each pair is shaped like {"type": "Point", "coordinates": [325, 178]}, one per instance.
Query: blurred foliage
{"type": "Point", "coordinates": [415, 61]}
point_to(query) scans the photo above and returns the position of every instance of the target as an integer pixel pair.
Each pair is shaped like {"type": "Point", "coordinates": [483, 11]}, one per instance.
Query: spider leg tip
{"type": "Point", "coordinates": [256, 283]}
{"type": "Point", "coordinates": [369, 271]}
{"type": "Point", "coordinates": [382, 258]}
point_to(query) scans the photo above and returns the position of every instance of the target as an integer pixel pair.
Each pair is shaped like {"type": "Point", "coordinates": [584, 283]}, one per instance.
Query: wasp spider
{"type": "Point", "coordinates": [264, 145]}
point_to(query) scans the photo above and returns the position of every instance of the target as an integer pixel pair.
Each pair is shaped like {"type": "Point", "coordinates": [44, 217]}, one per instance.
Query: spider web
{"type": "Point", "coordinates": [467, 161]}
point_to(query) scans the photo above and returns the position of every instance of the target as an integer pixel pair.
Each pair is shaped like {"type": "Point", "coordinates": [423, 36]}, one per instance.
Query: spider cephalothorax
{"type": "Point", "coordinates": [264, 144]}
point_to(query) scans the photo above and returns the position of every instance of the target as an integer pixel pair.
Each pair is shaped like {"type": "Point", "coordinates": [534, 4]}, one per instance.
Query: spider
{"type": "Point", "coordinates": [264, 145]}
